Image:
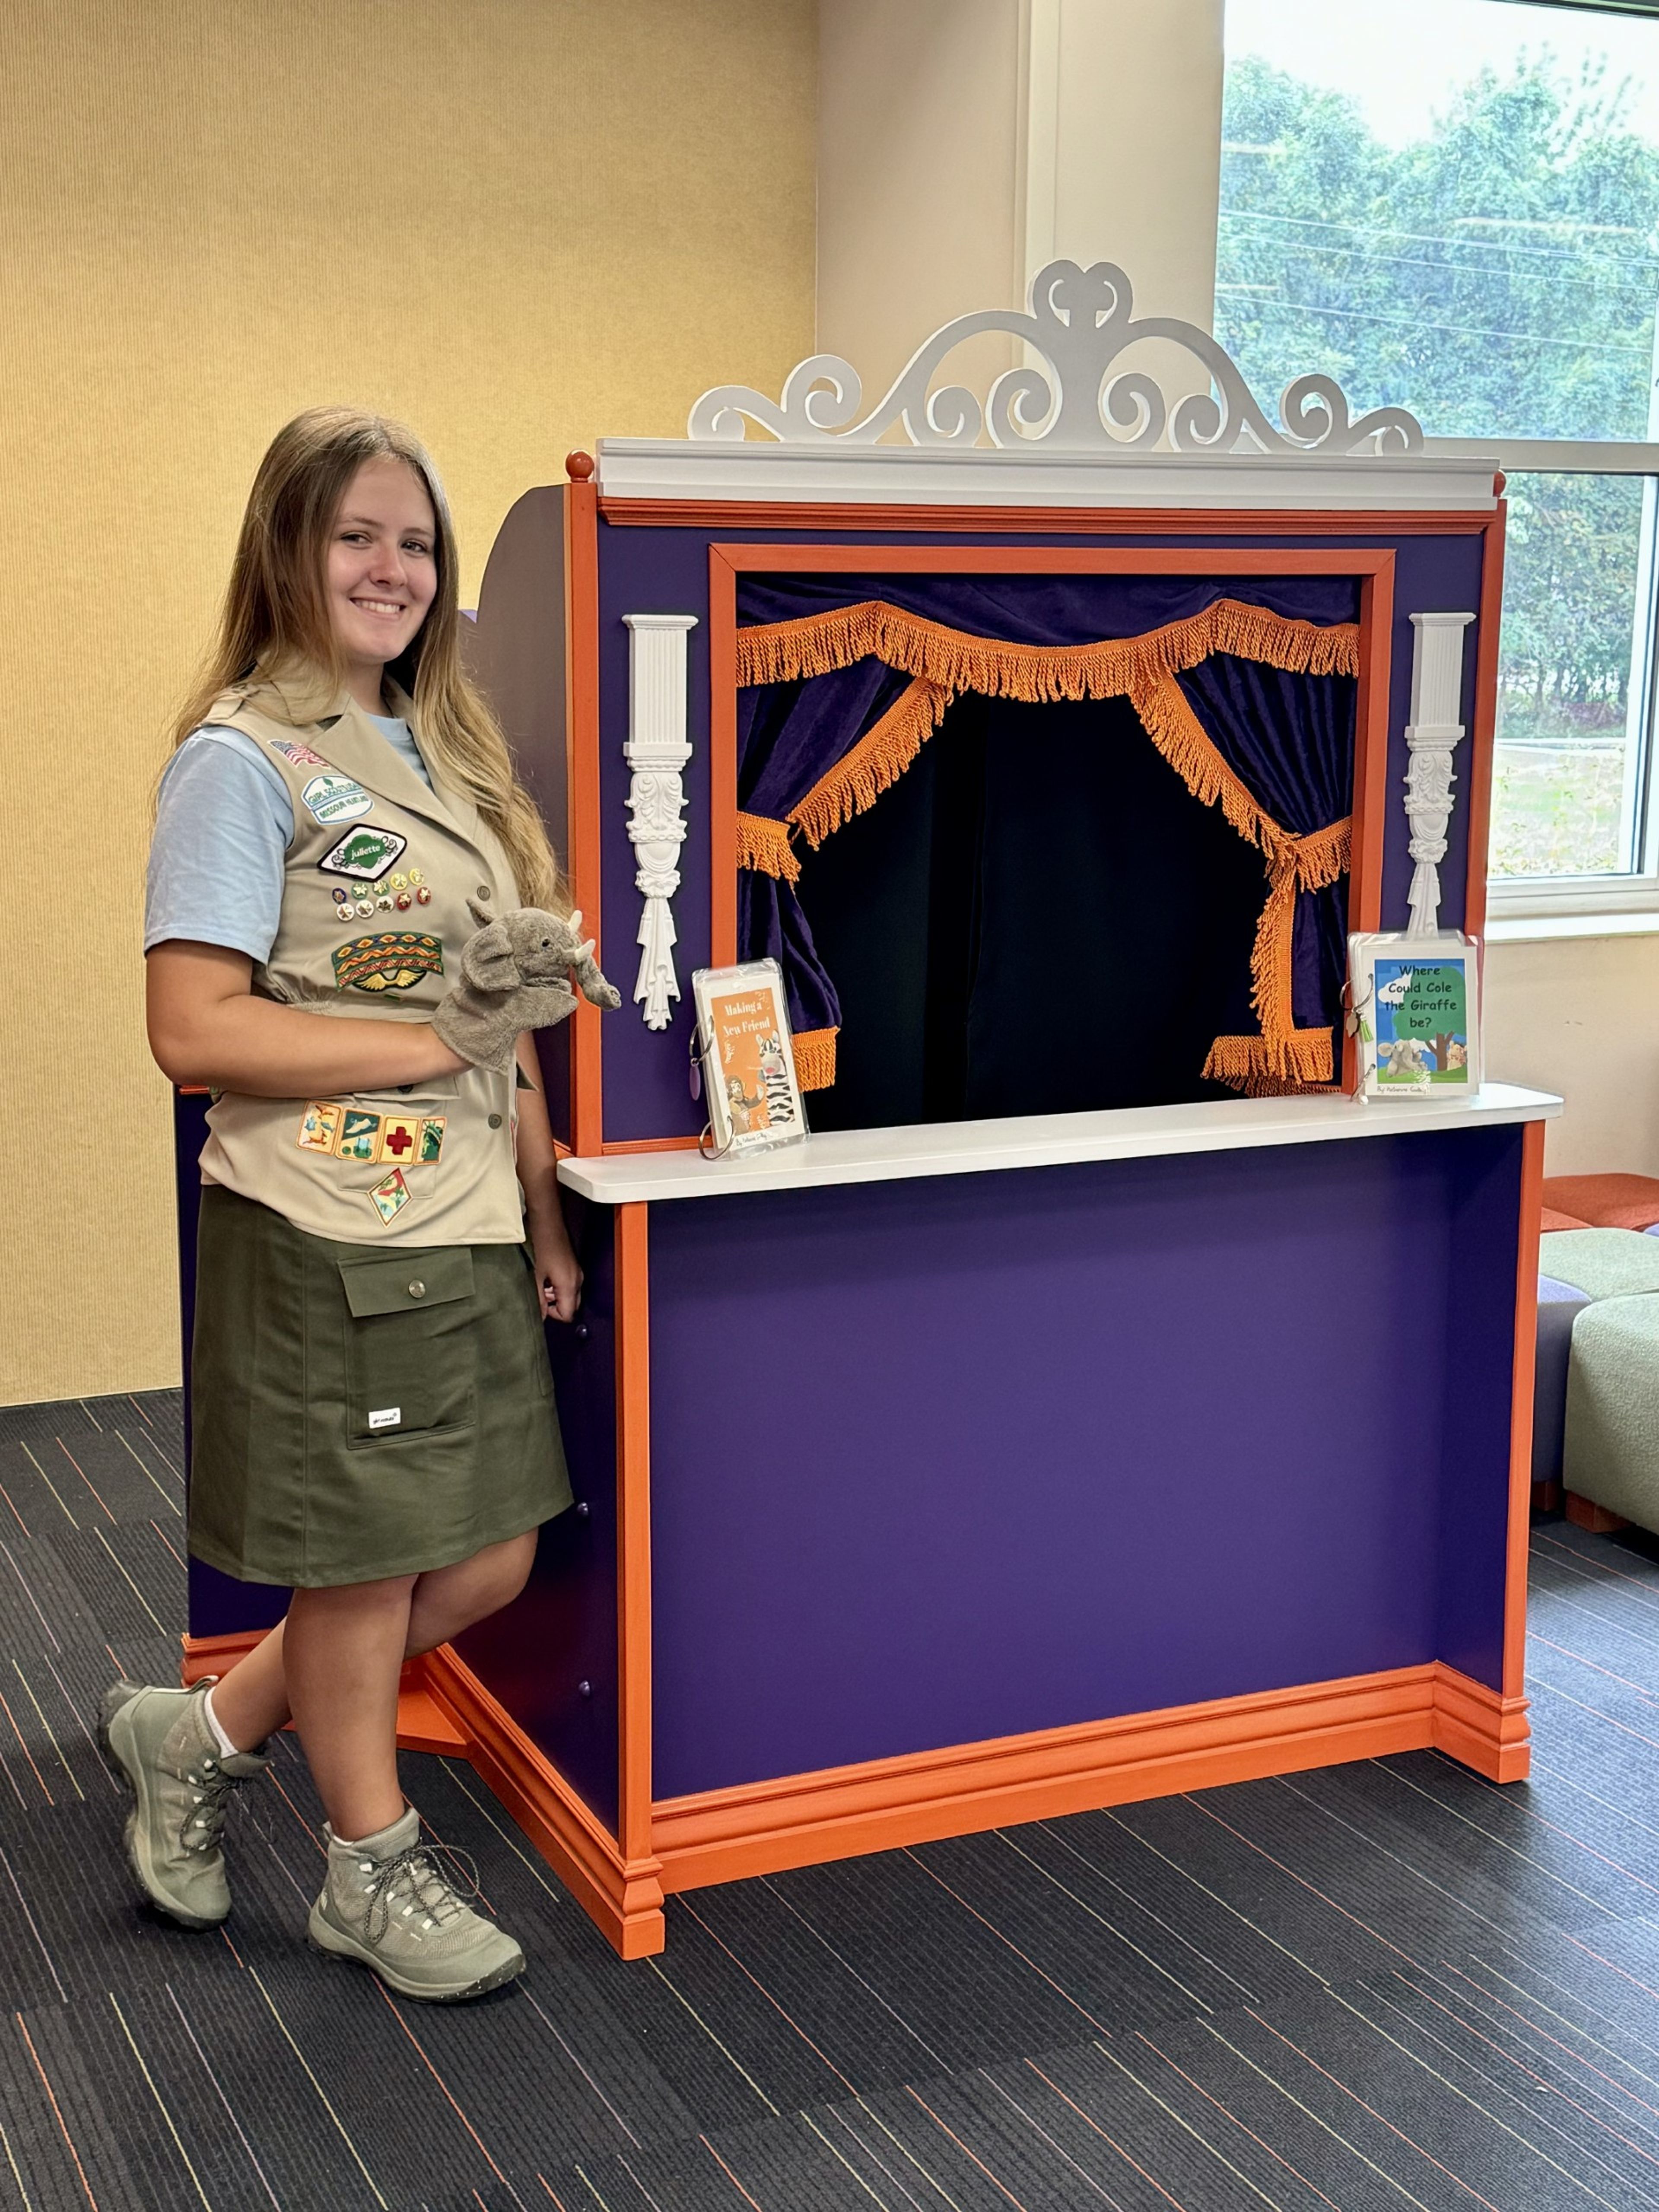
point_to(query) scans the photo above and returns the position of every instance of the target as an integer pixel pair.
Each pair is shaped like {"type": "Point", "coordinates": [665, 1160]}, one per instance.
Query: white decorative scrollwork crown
{"type": "Point", "coordinates": [1080, 320]}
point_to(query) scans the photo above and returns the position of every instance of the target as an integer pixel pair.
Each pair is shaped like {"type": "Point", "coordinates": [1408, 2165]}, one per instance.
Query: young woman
{"type": "Point", "coordinates": [381, 1234]}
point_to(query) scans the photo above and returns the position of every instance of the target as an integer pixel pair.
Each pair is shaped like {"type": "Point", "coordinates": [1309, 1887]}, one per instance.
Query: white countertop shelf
{"type": "Point", "coordinates": [1042, 1140]}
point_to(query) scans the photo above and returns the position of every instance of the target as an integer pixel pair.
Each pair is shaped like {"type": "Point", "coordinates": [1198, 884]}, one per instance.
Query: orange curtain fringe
{"type": "Point", "coordinates": [815, 1058]}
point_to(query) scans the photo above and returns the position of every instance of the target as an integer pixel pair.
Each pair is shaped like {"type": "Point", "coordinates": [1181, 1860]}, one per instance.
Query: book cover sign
{"type": "Point", "coordinates": [754, 1099]}
{"type": "Point", "coordinates": [1422, 1022]}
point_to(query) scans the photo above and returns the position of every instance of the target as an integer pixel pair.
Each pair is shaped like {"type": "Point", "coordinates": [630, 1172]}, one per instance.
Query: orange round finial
{"type": "Point", "coordinates": [579, 467]}
{"type": "Point", "coordinates": [1497, 484]}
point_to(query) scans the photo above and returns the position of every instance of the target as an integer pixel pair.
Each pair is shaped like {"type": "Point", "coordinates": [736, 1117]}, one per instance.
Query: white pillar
{"type": "Point", "coordinates": [657, 751]}
{"type": "Point", "coordinates": [1433, 735]}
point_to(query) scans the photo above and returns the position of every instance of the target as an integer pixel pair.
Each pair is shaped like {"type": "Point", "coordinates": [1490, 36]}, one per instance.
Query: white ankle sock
{"type": "Point", "coordinates": [226, 1749]}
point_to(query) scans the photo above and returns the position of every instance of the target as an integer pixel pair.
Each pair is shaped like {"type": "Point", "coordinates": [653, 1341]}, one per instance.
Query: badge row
{"type": "Point", "coordinates": [351, 1133]}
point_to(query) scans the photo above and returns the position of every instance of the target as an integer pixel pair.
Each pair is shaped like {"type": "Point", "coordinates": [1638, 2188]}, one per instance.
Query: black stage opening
{"type": "Point", "coordinates": [1037, 917]}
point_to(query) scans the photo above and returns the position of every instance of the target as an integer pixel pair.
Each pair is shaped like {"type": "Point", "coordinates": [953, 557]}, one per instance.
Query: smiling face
{"type": "Point", "coordinates": [382, 572]}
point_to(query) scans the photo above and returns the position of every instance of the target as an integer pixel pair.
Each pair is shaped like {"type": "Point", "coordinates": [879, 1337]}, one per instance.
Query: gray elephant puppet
{"type": "Point", "coordinates": [516, 974]}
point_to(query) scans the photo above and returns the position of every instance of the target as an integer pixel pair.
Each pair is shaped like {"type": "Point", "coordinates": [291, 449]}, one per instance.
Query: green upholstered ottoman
{"type": "Point", "coordinates": [1603, 1263]}
{"type": "Point", "coordinates": [1611, 1453]}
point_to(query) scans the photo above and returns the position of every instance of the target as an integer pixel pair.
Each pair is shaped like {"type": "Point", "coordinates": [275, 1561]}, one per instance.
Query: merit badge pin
{"type": "Point", "coordinates": [301, 755]}
{"type": "Point", "coordinates": [389, 960]}
{"type": "Point", "coordinates": [335, 798]}
{"type": "Point", "coordinates": [400, 1139]}
{"type": "Point", "coordinates": [365, 854]}
{"type": "Point", "coordinates": [320, 1126]}
{"type": "Point", "coordinates": [359, 1135]}
{"type": "Point", "coordinates": [389, 1195]}
{"type": "Point", "coordinates": [432, 1140]}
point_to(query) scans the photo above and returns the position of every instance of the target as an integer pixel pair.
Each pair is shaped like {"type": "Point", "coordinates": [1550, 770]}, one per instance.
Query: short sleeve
{"type": "Point", "coordinates": [223, 825]}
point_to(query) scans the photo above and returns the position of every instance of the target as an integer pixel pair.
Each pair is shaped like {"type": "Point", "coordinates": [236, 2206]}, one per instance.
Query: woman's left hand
{"type": "Point", "coordinates": [558, 1276]}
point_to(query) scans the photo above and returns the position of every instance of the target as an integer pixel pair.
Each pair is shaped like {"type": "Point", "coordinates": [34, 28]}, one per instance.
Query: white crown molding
{"type": "Point", "coordinates": [1077, 324]}
{"type": "Point", "coordinates": [657, 750]}
{"type": "Point", "coordinates": [826, 473]}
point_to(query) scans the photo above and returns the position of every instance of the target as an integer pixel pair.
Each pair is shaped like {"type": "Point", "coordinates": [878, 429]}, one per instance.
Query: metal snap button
{"type": "Point", "coordinates": [494, 1121]}
{"type": "Point", "coordinates": [417, 1289]}
{"type": "Point", "coordinates": [483, 890]}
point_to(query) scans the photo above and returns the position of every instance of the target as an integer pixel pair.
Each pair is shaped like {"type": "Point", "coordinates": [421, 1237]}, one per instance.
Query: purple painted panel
{"type": "Point", "coordinates": [550, 1656]}
{"type": "Point", "coordinates": [1026, 1449]}
{"type": "Point", "coordinates": [647, 1093]}
{"type": "Point", "coordinates": [218, 1604]}
{"type": "Point", "coordinates": [666, 571]}
{"type": "Point", "coordinates": [1485, 1234]}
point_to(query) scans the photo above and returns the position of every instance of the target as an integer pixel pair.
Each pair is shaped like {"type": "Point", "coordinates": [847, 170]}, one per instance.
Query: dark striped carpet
{"type": "Point", "coordinates": [1382, 1986]}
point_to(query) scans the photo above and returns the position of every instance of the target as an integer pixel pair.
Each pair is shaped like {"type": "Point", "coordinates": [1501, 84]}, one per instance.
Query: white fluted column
{"type": "Point", "coordinates": [1433, 735]}
{"type": "Point", "coordinates": [657, 751]}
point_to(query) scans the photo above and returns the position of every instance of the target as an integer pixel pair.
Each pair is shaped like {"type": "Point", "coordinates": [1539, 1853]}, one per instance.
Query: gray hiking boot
{"type": "Point", "coordinates": [388, 1903]}
{"type": "Point", "coordinates": [163, 1742]}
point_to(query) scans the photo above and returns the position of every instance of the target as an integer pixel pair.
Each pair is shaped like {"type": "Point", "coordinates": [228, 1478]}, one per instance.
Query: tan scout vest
{"type": "Point", "coordinates": [374, 919]}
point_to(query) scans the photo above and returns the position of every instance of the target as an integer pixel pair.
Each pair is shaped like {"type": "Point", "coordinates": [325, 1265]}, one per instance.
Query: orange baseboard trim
{"type": "Point", "coordinates": [422, 1725]}
{"type": "Point", "coordinates": [623, 1897]}
{"type": "Point", "coordinates": [725, 1835]}
{"type": "Point", "coordinates": [1585, 1513]}
{"type": "Point", "coordinates": [806, 1819]}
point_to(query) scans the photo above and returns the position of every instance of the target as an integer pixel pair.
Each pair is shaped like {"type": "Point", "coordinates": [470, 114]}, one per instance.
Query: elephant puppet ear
{"type": "Point", "coordinates": [488, 960]}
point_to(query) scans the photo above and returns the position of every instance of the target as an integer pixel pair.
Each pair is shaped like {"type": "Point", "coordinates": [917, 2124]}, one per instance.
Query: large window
{"type": "Point", "coordinates": [1453, 205]}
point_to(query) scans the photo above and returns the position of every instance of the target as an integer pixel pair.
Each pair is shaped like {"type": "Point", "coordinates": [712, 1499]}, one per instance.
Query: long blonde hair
{"type": "Point", "coordinates": [274, 627]}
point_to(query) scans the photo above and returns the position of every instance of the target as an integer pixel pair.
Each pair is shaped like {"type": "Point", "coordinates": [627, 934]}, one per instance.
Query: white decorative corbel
{"type": "Point", "coordinates": [657, 750]}
{"type": "Point", "coordinates": [1432, 733]}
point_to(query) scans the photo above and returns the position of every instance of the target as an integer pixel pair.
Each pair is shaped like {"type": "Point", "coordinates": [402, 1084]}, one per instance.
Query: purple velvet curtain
{"type": "Point", "coordinates": [1289, 738]}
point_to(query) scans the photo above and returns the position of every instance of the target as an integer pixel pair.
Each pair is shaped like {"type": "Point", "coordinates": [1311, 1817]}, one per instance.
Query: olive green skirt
{"type": "Point", "coordinates": [359, 1413]}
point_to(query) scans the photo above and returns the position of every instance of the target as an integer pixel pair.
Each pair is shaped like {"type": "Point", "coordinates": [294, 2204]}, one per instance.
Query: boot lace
{"type": "Point", "coordinates": [212, 1790]}
{"type": "Point", "coordinates": [430, 1878]}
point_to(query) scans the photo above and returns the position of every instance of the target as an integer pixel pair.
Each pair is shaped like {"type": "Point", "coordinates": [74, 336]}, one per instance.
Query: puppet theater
{"type": "Point", "coordinates": [1103, 1400]}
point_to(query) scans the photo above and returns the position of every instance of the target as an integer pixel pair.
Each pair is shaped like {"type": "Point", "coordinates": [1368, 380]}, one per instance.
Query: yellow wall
{"type": "Point", "coordinates": [518, 223]}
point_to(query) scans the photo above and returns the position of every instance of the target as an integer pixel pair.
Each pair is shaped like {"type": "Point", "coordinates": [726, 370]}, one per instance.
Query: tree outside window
{"type": "Point", "coordinates": [1493, 267]}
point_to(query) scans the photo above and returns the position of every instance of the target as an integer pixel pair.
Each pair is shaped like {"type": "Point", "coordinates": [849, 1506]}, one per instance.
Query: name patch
{"type": "Point", "coordinates": [335, 798]}
{"type": "Point", "coordinates": [390, 960]}
{"type": "Point", "coordinates": [365, 854]}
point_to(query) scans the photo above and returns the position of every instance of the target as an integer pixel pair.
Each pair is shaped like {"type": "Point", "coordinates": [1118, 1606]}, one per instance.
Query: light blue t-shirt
{"type": "Point", "coordinates": [223, 825]}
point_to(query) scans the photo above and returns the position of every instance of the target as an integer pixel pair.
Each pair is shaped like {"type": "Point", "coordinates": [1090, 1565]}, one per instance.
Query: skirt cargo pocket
{"type": "Point", "coordinates": [409, 1350]}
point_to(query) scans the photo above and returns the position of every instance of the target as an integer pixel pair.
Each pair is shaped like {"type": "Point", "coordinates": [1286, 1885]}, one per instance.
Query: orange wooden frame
{"type": "Point", "coordinates": [582, 693]}
{"type": "Point", "coordinates": [1373, 566]}
{"type": "Point", "coordinates": [1521, 1416]}
{"type": "Point", "coordinates": [936, 520]}
{"type": "Point", "coordinates": [806, 1819]}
